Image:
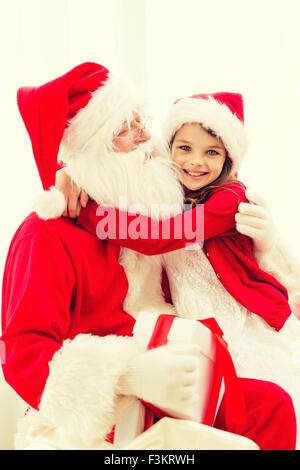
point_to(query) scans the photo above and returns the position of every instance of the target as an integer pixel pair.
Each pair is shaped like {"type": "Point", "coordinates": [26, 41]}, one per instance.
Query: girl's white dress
{"type": "Point", "coordinates": [258, 351]}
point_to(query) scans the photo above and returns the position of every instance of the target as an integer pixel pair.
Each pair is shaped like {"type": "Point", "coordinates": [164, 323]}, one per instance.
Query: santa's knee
{"type": "Point", "coordinates": [274, 397]}
{"type": "Point", "coordinates": [282, 399]}
{"type": "Point", "coordinates": [264, 394]}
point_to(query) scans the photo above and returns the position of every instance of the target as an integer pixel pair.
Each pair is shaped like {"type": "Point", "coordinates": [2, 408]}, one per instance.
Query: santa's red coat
{"type": "Point", "coordinates": [59, 281]}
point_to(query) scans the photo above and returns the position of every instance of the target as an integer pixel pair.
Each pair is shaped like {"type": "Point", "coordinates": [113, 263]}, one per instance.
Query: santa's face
{"type": "Point", "coordinates": [199, 154]}
{"type": "Point", "coordinates": [130, 136]}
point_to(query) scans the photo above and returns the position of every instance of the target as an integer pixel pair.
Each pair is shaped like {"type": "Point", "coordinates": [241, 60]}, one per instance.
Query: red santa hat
{"type": "Point", "coordinates": [80, 111]}
{"type": "Point", "coordinates": [222, 113]}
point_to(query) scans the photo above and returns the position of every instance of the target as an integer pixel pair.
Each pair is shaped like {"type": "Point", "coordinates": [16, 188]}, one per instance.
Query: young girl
{"type": "Point", "coordinates": [222, 279]}
{"type": "Point", "coordinates": [205, 137]}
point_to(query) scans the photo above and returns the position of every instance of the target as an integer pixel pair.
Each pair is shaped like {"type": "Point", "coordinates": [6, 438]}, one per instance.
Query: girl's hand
{"type": "Point", "coordinates": [74, 196]}
{"type": "Point", "coordinates": [255, 220]}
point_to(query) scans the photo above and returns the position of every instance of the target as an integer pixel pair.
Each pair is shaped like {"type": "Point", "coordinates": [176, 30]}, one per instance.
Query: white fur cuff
{"type": "Point", "coordinates": [80, 394]}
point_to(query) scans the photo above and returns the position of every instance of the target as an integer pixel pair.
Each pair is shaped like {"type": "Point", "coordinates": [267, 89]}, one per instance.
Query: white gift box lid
{"type": "Point", "coordinates": [182, 331]}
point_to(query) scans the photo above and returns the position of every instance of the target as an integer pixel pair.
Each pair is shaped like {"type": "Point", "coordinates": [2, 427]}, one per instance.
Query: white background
{"type": "Point", "coordinates": [169, 48]}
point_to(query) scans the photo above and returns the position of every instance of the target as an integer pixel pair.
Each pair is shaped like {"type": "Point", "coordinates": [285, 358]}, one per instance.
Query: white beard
{"type": "Point", "coordinates": [147, 186]}
{"type": "Point", "coordinates": [129, 179]}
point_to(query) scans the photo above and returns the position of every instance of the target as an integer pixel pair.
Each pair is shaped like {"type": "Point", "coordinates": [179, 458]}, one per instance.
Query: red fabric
{"type": "Point", "coordinates": [165, 287]}
{"type": "Point", "coordinates": [46, 110]}
{"type": "Point", "coordinates": [271, 420]}
{"type": "Point", "coordinates": [160, 332]}
{"type": "Point", "coordinates": [229, 252]}
{"type": "Point", "coordinates": [58, 282]}
{"type": "Point", "coordinates": [233, 101]}
{"type": "Point", "coordinates": [60, 165]}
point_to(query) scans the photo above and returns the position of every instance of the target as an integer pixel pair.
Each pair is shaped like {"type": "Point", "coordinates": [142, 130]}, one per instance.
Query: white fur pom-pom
{"type": "Point", "coordinates": [49, 204]}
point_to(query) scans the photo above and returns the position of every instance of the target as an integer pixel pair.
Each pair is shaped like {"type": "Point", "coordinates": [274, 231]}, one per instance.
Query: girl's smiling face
{"type": "Point", "coordinates": [199, 154]}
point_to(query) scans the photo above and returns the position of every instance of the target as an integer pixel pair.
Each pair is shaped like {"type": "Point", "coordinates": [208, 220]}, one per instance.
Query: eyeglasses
{"type": "Point", "coordinates": [137, 126]}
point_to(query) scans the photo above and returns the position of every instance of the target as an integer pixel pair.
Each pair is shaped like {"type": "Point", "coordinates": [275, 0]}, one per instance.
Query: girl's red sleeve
{"type": "Point", "coordinates": [214, 218]}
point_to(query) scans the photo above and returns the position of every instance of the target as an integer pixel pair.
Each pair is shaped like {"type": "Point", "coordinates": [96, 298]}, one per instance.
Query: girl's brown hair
{"type": "Point", "coordinates": [202, 195]}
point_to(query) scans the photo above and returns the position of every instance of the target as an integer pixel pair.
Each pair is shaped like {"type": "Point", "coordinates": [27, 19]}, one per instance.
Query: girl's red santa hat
{"type": "Point", "coordinates": [78, 113]}
{"type": "Point", "coordinates": [222, 113]}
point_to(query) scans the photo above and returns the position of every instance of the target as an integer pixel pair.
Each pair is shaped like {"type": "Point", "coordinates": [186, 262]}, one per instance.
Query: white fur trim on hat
{"type": "Point", "coordinates": [211, 115]}
{"type": "Point", "coordinates": [101, 119]}
{"type": "Point", "coordinates": [49, 204]}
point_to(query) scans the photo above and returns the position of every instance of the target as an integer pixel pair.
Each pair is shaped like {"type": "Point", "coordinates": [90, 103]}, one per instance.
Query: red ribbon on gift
{"type": "Point", "coordinates": [235, 408]}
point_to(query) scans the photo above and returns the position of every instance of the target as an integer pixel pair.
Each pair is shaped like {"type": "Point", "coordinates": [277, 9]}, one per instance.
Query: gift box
{"type": "Point", "coordinates": [175, 330]}
{"type": "Point", "coordinates": [136, 419]}
{"type": "Point", "coordinates": [216, 374]}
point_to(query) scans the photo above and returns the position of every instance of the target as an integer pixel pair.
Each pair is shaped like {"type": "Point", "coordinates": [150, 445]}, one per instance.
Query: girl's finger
{"type": "Point", "coordinates": [72, 206]}
{"type": "Point", "coordinates": [252, 210]}
{"type": "Point", "coordinates": [249, 220]}
{"type": "Point", "coordinates": [83, 198]}
{"type": "Point", "coordinates": [249, 231]}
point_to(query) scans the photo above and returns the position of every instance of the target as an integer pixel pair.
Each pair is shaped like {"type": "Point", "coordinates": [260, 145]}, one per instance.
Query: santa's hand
{"type": "Point", "coordinates": [166, 376]}
{"type": "Point", "coordinates": [255, 221]}
{"type": "Point", "coordinates": [74, 196]}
